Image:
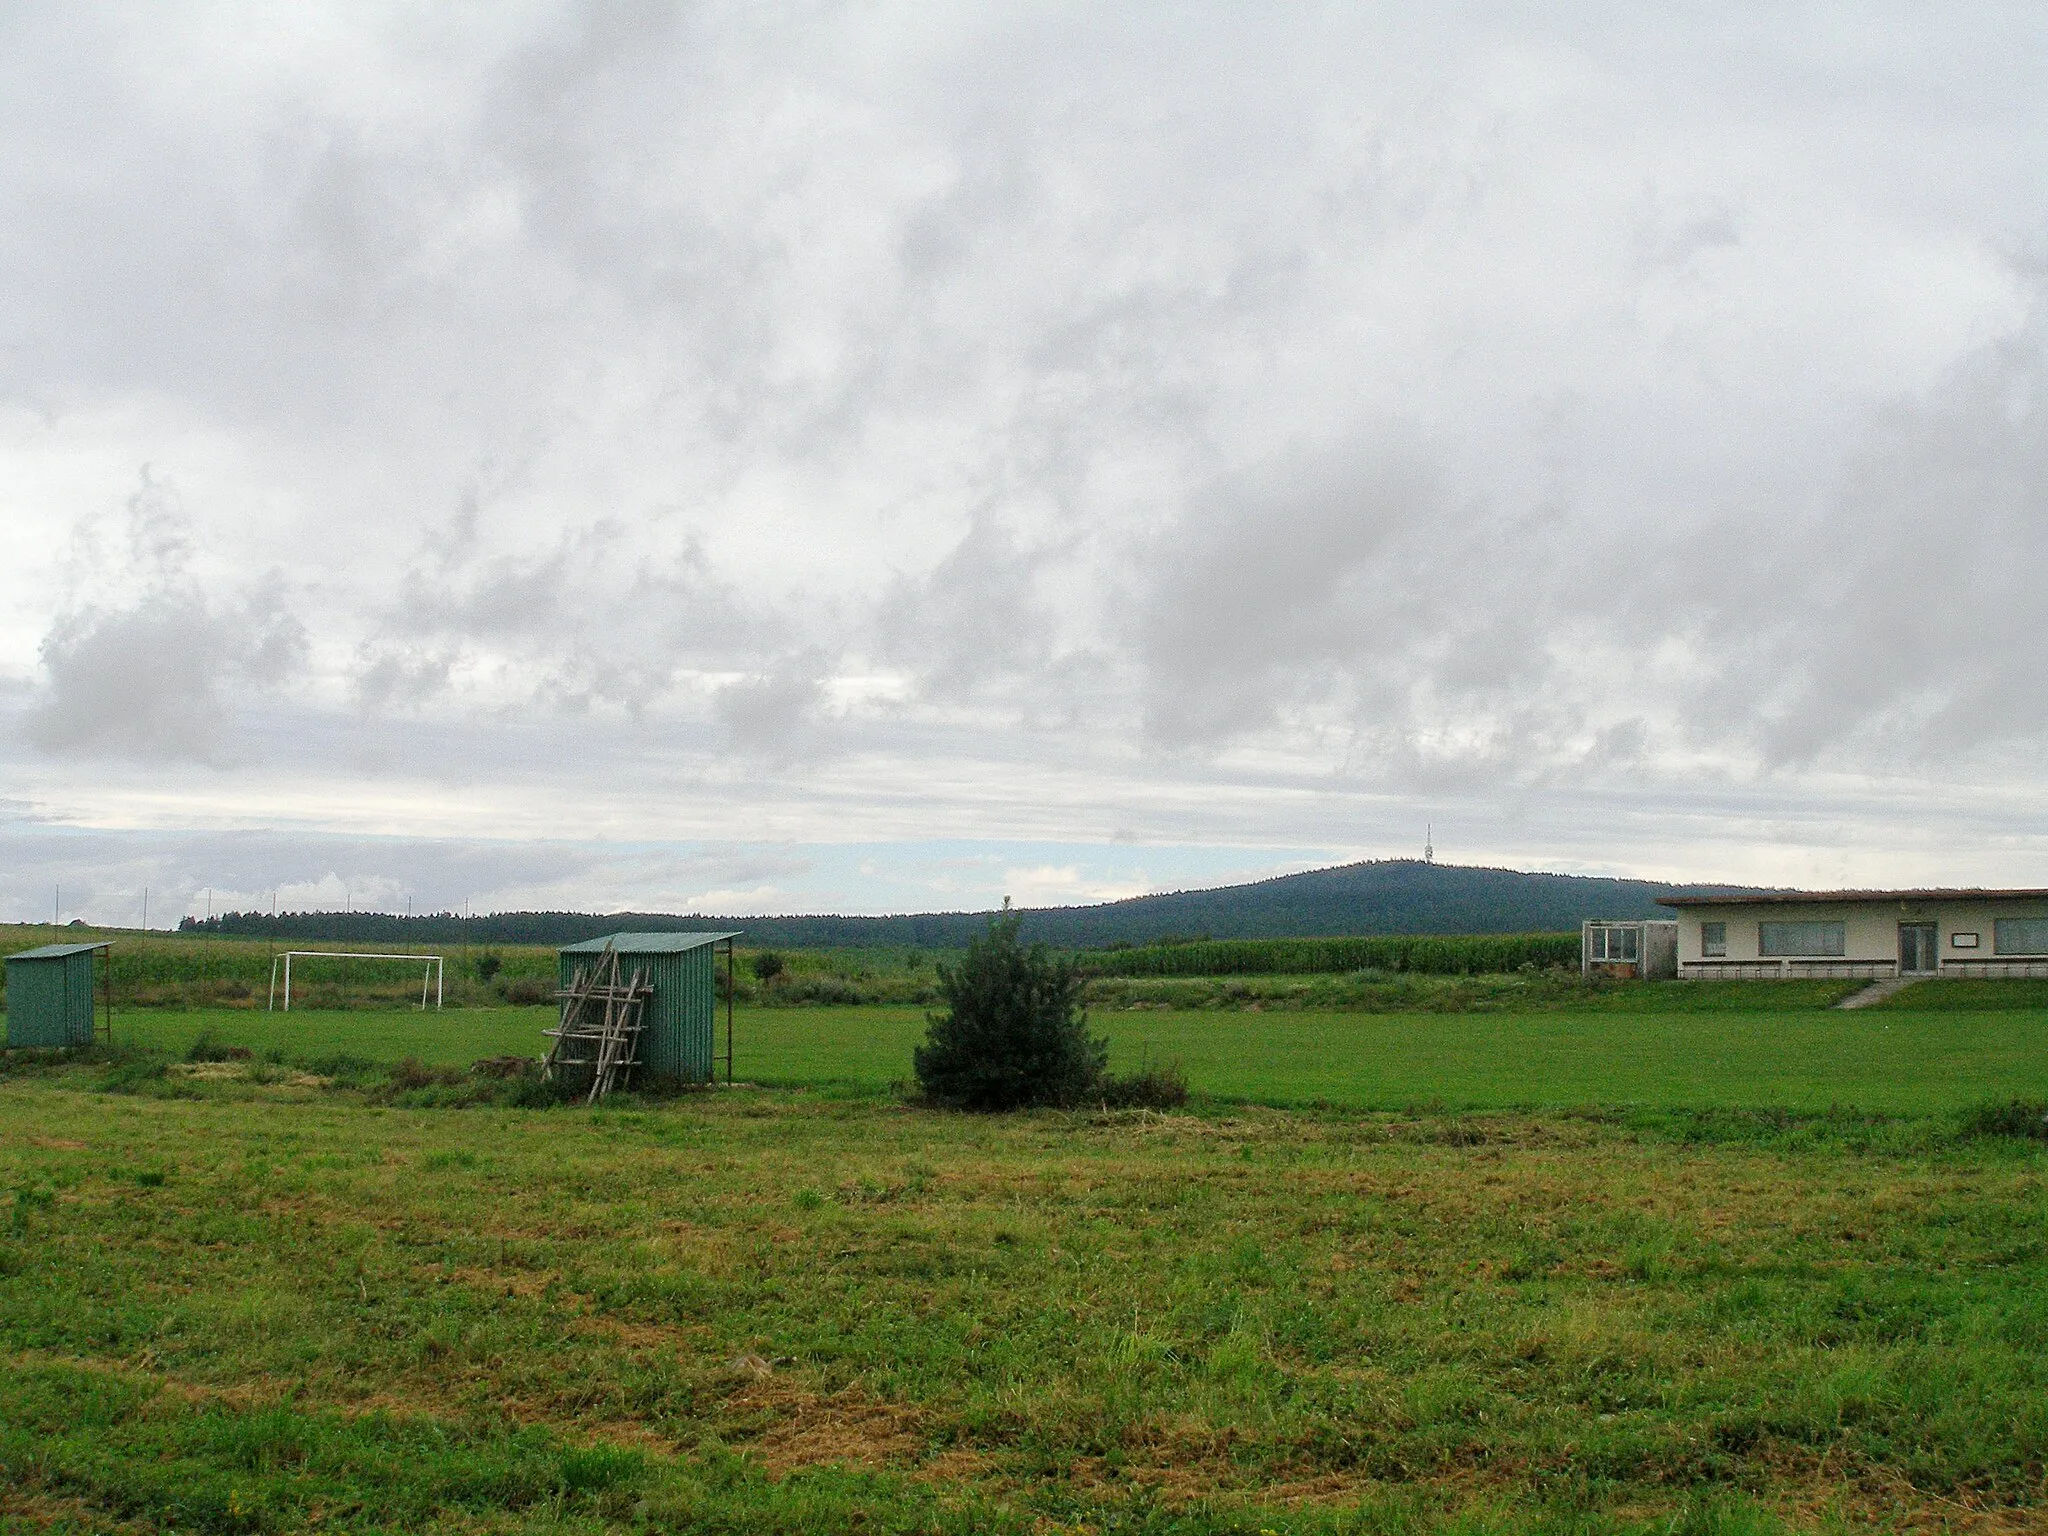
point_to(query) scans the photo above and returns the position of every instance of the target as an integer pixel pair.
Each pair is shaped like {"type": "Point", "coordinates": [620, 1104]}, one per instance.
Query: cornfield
{"type": "Point", "coordinates": [1422, 954]}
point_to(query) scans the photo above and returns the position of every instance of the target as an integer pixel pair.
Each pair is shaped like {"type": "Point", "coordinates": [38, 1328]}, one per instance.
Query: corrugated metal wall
{"type": "Point", "coordinates": [50, 1001]}
{"type": "Point", "coordinates": [678, 1037]}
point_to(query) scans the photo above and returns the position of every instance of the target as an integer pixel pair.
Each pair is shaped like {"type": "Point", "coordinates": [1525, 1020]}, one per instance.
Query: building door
{"type": "Point", "coordinates": [1917, 952]}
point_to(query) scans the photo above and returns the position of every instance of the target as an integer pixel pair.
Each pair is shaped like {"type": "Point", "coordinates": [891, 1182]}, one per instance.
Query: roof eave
{"type": "Point", "coordinates": [1850, 898]}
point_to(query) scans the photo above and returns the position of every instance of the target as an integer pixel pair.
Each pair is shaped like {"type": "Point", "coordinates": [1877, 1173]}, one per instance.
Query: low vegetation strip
{"type": "Point", "coordinates": [273, 1307]}
{"type": "Point", "coordinates": [196, 970]}
{"type": "Point", "coordinates": [1424, 954]}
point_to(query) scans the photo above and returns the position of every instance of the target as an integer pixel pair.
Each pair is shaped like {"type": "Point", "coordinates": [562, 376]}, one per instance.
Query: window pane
{"type": "Point", "coordinates": [2020, 935]}
{"type": "Point", "coordinates": [1613, 944]}
{"type": "Point", "coordinates": [1825, 939]}
{"type": "Point", "coordinates": [1714, 939]}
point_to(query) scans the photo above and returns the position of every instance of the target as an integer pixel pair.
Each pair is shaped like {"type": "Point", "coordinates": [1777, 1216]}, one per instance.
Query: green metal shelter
{"type": "Point", "coordinates": [50, 995]}
{"type": "Point", "coordinates": [679, 1025]}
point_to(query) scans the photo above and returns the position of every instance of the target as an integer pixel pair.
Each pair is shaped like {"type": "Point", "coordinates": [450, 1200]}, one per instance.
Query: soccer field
{"type": "Point", "coordinates": [1882, 1060]}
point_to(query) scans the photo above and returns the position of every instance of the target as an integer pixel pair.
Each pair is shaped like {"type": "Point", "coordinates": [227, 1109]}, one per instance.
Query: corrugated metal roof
{"type": "Point", "coordinates": [647, 943]}
{"type": "Point", "coordinates": [59, 951]}
{"type": "Point", "coordinates": [1782, 898]}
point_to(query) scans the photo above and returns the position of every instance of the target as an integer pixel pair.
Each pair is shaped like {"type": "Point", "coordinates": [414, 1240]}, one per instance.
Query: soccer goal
{"type": "Point", "coordinates": [430, 978]}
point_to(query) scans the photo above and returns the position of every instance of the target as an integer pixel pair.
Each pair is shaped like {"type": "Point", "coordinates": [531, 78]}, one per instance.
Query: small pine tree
{"type": "Point", "coordinates": [1013, 1032]}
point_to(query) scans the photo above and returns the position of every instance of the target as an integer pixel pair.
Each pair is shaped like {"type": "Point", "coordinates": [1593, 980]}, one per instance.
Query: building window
{"type": "Point", "coordinates": [1713, 940]}
{"type": "Point", "coordinates": [1962, 940]}
{"type": "Point", "coordinates": [1825, 940]}
{"type": "Point", "coordinates": [2020, 935]}
{"type": "Point", "coordinates": [1613, 944]}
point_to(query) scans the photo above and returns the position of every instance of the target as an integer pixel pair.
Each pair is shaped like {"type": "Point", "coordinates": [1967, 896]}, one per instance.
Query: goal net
{"type": "Point", "coordinates": [281, 971]}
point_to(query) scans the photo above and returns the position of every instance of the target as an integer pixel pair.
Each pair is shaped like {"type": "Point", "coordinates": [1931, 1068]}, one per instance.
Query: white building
{"type": "Point", "coordinates": [1863, 934]}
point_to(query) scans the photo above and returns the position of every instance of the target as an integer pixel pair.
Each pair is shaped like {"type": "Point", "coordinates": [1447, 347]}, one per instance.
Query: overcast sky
{"type": "Point", "coordinates": [881, 457]}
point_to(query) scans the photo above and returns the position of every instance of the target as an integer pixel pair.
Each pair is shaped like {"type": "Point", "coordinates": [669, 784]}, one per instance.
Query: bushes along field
{"type": "Point", "coordinates": [201, 971]}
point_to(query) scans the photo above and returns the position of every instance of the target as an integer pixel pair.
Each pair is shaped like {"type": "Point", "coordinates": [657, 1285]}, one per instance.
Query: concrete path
{"type": "Point", "coordinates": [1876, 992]}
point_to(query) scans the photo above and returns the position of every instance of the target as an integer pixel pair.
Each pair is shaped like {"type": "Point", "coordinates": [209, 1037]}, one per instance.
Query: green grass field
{"type": "Point", "coordinates": [1880, 1060]}
{"type": "Point", "coordinates": [246, 1308]}
{"type": "Point", "coordinates": [1492, 1272]}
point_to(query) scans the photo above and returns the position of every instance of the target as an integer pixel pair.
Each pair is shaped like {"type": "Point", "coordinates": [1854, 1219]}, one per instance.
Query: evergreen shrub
{"type": "Point", "coordinates": [1012, 1033]}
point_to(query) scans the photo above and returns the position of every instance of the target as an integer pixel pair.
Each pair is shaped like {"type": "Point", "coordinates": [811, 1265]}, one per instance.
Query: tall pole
{"type": "Point", "coordinates": [145, 909]}
{"type": "Point", "coordinates": [728, 1013]}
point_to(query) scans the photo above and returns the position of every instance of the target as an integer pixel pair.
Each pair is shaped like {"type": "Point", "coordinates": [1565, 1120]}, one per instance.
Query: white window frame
{"type": "Point", "coordinates": [1601, 947]}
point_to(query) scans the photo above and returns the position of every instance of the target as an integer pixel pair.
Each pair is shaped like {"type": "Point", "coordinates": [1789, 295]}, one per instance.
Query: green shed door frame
{"type": "Point", "coordinates": [50, 996]}
{"type": "Point", "coordinates": [679, 1030]}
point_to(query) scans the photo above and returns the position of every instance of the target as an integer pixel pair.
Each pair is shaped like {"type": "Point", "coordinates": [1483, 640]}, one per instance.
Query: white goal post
{"type": "Point", "coordinates": [429, 978]}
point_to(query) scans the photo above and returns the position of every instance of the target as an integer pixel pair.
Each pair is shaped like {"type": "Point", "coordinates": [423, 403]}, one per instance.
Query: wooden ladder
{"type": "Point", "coordinates": [600, 1026]}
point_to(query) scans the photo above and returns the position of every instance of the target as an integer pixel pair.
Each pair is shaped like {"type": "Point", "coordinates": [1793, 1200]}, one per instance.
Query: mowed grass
{"type": "Point", "coordinates": [1889, 1060]}
{"type": "Point", "coordinates": [271, 1308]}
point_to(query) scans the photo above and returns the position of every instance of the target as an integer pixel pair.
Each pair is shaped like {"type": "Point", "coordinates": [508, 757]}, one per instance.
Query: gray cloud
{"type": "Point", "coordinates": [1277, 584]}
{"type": "Point", "coordinates": [776, 712]}
{"type": "Point", "coordinates": [1929, 634]}
{"type": "Point", "coordinates": [166, 669]}
{"type": "Point", "coordinates": [155, 679]}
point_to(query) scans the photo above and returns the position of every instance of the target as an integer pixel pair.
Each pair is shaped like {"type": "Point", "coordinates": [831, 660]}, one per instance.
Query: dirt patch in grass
{"type": "Point", "coordinates": [24, 1511]}
{"type": "Point", "coordinates": [241, 1072]}
{"type": "Point", "coordinates": [525, 1283]}
{"type": "Point", "coordinates": [848, 1427]}
{"type": "Point", "coordinates": [647, 1338]}
{"type": "Point", "coordinates": [1880, 1499]}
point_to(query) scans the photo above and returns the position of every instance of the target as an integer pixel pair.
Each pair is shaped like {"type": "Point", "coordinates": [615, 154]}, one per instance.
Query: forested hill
{"type": "Point", "coordinates": [1384, 896]}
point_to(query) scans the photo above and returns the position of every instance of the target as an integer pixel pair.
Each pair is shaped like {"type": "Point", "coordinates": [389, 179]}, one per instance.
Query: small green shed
{"type": "Point", "coordinates": [50, 995]}
{"type": "Point", "coordinates": [679, 1025]}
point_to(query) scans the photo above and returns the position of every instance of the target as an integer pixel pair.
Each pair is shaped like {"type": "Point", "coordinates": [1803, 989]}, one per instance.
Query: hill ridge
{"type": "Point", "coordinates": [1371, 896]}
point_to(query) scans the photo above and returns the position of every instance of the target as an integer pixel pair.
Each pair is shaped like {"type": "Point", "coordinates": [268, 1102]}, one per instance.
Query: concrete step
{"type": "Point", "coordinates": [1877, 992]}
